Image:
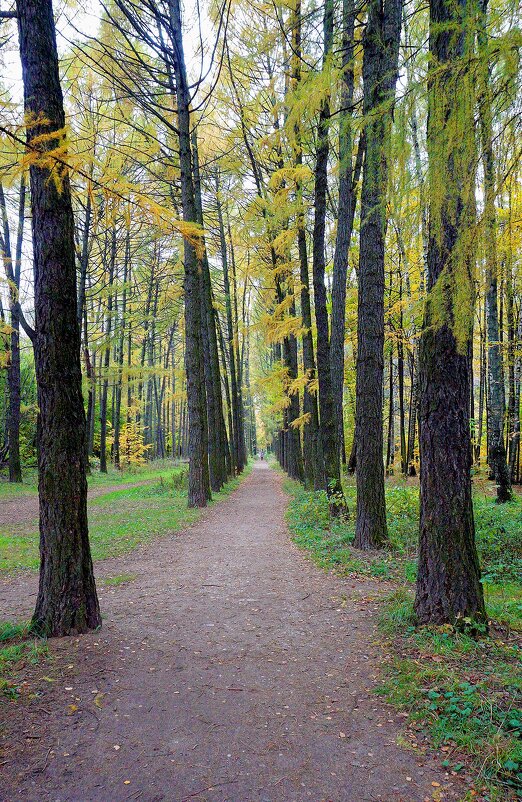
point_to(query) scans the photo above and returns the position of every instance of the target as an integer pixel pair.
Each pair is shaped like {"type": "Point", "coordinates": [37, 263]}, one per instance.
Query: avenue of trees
{"type": "Point", "coordinates": [292, 227]}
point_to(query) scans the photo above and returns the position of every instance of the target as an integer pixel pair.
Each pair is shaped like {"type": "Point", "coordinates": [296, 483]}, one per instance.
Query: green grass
{"type": "Point", "coordinates": [119, 520]}
{"type": "Point", "coordinates": [498, 529]}
{"type": "Point", "coordinates": [145, 473]}
{"type": "Point", "coordinates": [119, 579]}
{"type": "Point", "coordinates": [465, 694]}
{"type": "Point", "coordinates": [18, 648]}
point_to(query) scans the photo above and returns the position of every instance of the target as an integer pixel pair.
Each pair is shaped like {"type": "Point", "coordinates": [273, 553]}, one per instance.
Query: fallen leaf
{"type": "Point", "coordinates": [98, 699]}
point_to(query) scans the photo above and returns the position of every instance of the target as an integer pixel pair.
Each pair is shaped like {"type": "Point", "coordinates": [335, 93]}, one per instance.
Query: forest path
{"type": "Point", "coordinates": [230, 669]}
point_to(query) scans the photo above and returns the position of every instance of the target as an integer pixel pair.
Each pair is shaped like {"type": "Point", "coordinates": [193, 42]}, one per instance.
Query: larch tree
{"type": "Point", "coordinates": [448, 581]}
{"type": "Point", "coordinates": [381, 51]}
{"type": "Point", "coordinates": [327, 422]}
{"type": "Point", "coordinates": [12, 265]}
{"type": "Point", "coordinates": [497, 454]}
{"type": "Point", "coordinates": [67, 602]}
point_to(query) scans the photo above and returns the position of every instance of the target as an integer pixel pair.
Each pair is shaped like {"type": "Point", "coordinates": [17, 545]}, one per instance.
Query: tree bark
{"type": "Point", "coordinates": [497, 458]}
{"type": "Point", "coordinates": [327, 420]}
{"type": "Point", "coordinates": [67, 602]}
{"type": "Point", "coordinates": [12, 270]}
{"type": "Point", "coordinates": [448, 580]}
{"type": "Point", "coordinates": [380, 59]}
{"type": "Point", "coordinates": [345, 217]}
{"type": "Point", "coordinates": [217, 431]}
{"type": "Point", "coordinates": [234, 393]}
{"type": "Point", "coordinates": [199, 479]}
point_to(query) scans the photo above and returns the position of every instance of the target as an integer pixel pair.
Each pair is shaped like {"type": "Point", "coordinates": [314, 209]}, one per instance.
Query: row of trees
{"type": "Point", "coordinates": [433, 238]}
{"type": "Point", "coordinates": [314, 236]}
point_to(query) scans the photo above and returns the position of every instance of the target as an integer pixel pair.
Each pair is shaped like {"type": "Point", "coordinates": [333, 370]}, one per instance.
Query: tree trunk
{"type": "Point", "coordinates": [482, 389]}
{"type": "Point", "coordinates": [412, 414]}
{"type": "Point", "coordinates": [234, 395]}
{"type": "Point", "coordinates": [199, 479]}
{"type": "Point", "coordinates": [217, 431]}
{"type": "Point", "coordinates": [235, 345]}
{"type": "Point", "coordinates": [327, 420]}
{"type": "Point", "coordinates": [106, 359]}
{"type": "Point", "coordinates": [497, 458]}
{"type": "Point", "coordinates": [390, 450]}
{"type": "Point", "coordinates": [12, 270]}
{"type": "Point", "coordinates": [346, 213]}
{"type": "Point", "coordinates": [67, 602]}
{"type": "Point", "coordinates": [381, 52]}
{"type": "Point", "coordinates": [120, 352]}
{"type": "Point", "coordinates": [448, 580]}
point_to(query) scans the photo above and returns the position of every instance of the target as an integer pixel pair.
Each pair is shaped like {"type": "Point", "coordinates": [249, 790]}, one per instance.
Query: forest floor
{"type": "Point", "coordinates": [23, 509]}
{"type": "Point", "coordinates": [125, 510]}
{"type": "Point", "coordinates": [228, 667]}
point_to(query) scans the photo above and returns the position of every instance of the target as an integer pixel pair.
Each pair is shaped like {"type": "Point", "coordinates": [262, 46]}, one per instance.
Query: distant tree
{"type": "Point", "coordinates": [12, 265]}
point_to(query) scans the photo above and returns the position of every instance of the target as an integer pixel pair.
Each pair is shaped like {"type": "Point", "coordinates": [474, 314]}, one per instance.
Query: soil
{"type": "Point", "coordinates": [229, 670]}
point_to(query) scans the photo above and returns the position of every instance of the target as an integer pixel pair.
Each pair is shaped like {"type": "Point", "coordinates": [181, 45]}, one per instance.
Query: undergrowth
{"type": "Point", "coordinates": [18, 649]}
{"type": "Point", "coordinates": [465, 693]}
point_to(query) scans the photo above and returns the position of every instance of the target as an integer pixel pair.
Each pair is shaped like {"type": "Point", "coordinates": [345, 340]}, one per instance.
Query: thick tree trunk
{"type": "Point", "coordinates": [67, 602]}
{"type": "Point", "coordinates": [448, 580]}
{"type": "Point", "coordinates": [381, 52]}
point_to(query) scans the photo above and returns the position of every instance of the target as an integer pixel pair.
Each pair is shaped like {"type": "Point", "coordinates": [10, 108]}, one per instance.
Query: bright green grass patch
{"type": "Point", "coordinates": [465, 693]}
{"type": "Point", "coordinates": [119, 520]}
{"type": "Point", "coordinates": [144, 473]}
{"type": "Point", "coordinates": [498, 531]}
{"type": "Point", "coordinates": [18, 648]}
{"type": "Point", "coordinates": [10, 491]}
{"type": "Point", "coordinates": [329, 542]}
{"type": "Point", "coordinates": [119, 579]}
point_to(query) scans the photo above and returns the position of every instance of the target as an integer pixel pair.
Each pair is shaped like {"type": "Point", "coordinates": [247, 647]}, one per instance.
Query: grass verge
{"type": "Point", "coordinates": [464, 694]}
{"type": "Point", "coordinates": [119, 520]}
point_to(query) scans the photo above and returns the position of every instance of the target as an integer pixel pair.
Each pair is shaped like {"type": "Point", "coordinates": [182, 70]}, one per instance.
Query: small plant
{"type": "Point", "coordinates": [18, 647]}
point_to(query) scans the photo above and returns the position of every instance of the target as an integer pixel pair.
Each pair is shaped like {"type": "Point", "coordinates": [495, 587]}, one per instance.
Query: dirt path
{"type": "Point", "coordinates": [229, 669]}
{"type": "Point", "coordinates": [24, 509]}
